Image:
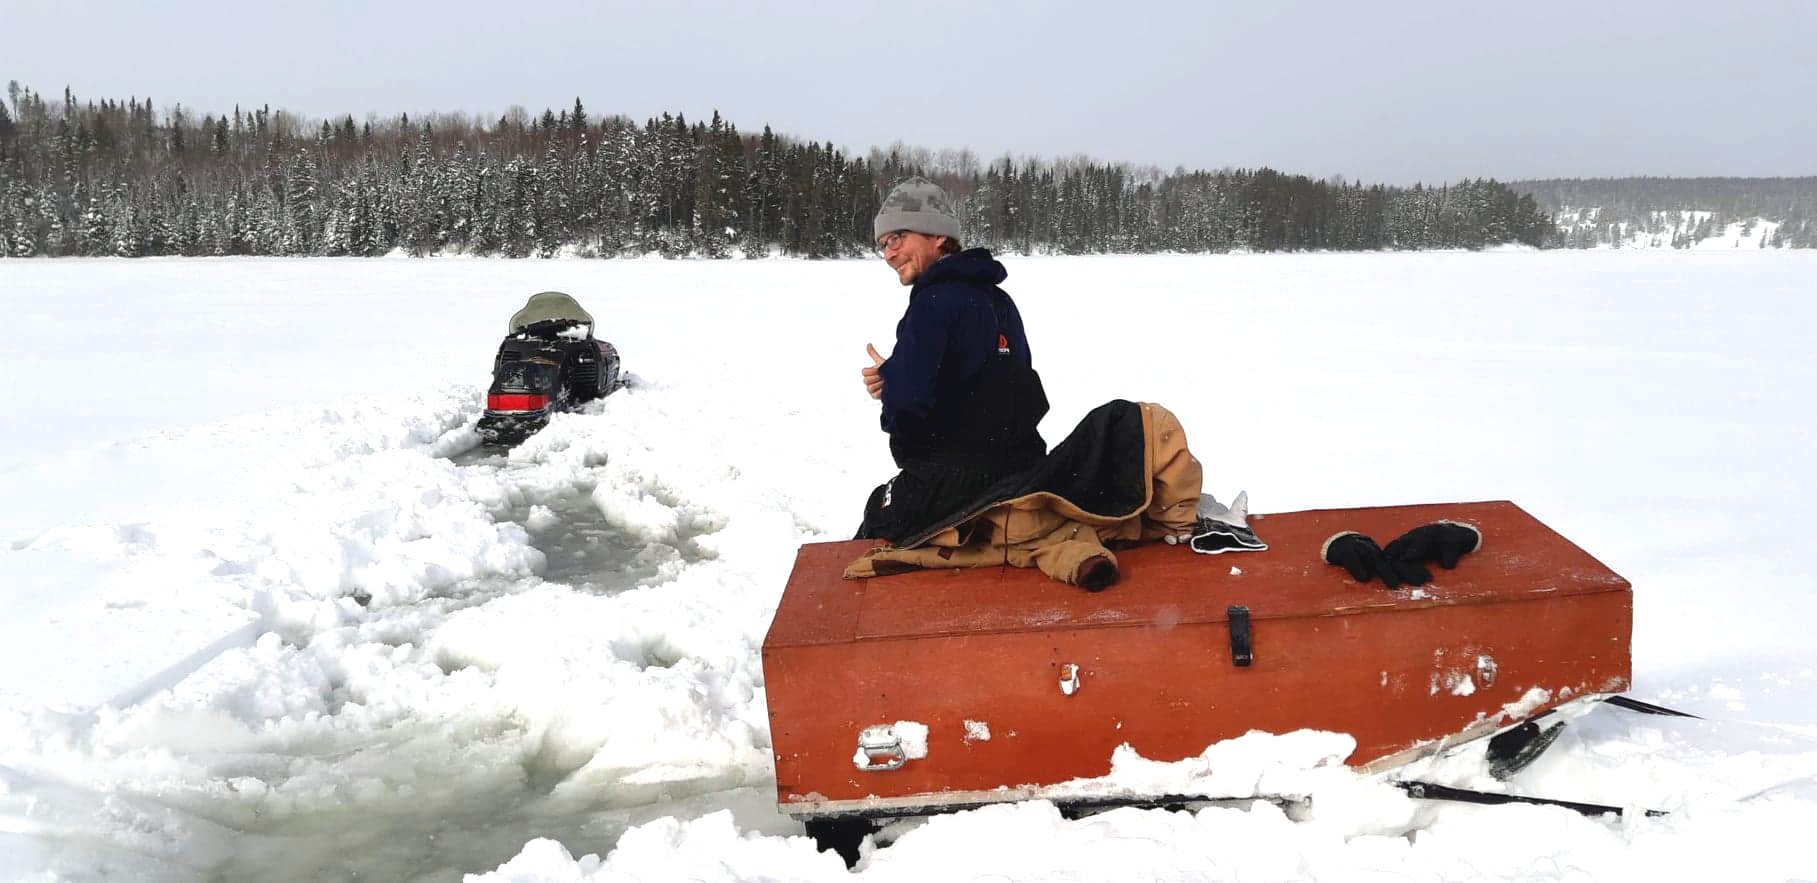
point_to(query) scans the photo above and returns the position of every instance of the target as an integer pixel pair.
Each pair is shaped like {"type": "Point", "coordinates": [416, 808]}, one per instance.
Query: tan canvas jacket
{"type": "Point", "coordinates": [1049, 532]}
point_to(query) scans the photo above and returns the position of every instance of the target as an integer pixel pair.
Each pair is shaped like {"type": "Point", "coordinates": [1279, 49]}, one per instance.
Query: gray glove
{"type": "Point", "coordinates": [1224, 528]}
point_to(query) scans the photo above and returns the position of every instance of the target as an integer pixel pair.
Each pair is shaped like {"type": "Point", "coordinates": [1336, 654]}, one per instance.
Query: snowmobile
{"type": "Point", "coordinates": [549, 361]}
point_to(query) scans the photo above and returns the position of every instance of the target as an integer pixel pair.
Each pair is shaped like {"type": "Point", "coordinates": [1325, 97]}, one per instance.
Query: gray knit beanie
{"type": "Point", "coordinates": [917, 205]}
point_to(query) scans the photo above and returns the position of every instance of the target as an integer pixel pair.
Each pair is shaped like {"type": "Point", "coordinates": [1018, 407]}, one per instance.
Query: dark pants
{"type": "Point", "coordinates": [924, 495]}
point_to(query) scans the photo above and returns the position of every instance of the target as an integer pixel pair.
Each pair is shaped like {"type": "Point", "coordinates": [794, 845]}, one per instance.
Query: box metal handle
{"type": "Point", "coordinates": [879, 748]}
{"type": "Point", "coordinates": [1486, 670]}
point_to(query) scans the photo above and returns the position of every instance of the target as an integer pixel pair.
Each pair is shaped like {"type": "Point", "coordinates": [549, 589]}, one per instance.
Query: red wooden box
{"type": "Point", "coordinates": [1022, 682]}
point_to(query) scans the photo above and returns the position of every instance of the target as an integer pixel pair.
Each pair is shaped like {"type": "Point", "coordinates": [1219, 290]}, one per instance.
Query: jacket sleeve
{"type": "Point", "coordinates": [909, 374]}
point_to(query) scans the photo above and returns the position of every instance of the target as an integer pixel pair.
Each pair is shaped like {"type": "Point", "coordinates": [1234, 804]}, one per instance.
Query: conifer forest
{"type": "Point", "coordinates": [110, 178]}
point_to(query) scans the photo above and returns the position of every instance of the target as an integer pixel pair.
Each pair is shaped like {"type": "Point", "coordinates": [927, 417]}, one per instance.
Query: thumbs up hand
{"type": "Point", "coordinates": [873, 375]}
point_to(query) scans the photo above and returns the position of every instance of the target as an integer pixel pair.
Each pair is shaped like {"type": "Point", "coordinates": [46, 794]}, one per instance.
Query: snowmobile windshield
{"type": "Point", "coordinates": [537, 377]}
{"type": "Point", "coordinates": [545, 306]}
{"type": "Point", "coordinates": [552, 329]}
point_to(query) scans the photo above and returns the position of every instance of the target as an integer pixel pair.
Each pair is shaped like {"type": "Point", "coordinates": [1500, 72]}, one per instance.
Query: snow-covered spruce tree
{"type": "Point", "coordinates": [235, 234]}
{"type": "Point", "coordinates": [363, 234]}
{"type": "Point", "coordinates": [94, 235]}
{"type": "Point", "coordinates": [716, 190]}
{"type": "Point", "coordinates": [486, 237]}
{"type": "Point", "coordinates": [555, 177]}
{"type": "Point", "coordinates": [454, 198]}
{"type": "Point", "coordinates": [335, 221]}
{"type": "Point", "coordinates": [417, 225]}
{"type": "Point", "coordinates": [16, 239]}
{"type": "Point", "coordinates": [186, 218]}
{"type": "Point", "coordinates": [763, 186]}
{"type": "Point", "coordinates": [302, 196]}
{"type": "Point", "coordinates": [126, 226]}
{"type": "Point", "coordinates": [680, 153]}
{"type": "Point", "coordinates": [517, 228]}
{"type": "Point", "coordinates": [613, 173]}
{"type": "Point", "coordinates": [585, 193]}
{"type": "Point", "coordinates": [265, 229]}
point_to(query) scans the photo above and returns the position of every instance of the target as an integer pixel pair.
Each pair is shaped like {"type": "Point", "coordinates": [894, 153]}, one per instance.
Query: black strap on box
{"type": "Point", "coordinates": [1240, 651]}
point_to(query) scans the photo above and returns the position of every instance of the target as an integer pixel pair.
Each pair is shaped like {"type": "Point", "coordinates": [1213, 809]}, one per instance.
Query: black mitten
{"type": "Point", "coordinates": [1366, 561]}
{"type": "Point", "coordinates": [1440, 541]}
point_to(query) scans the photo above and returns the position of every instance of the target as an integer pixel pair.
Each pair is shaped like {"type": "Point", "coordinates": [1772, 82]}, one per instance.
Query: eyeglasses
{"type": "Point", "coordinates": [891, 240]}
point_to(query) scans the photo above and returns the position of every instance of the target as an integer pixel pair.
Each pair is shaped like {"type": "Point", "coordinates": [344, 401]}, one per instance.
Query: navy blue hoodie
{"type": "Point", "coordinates": [959, 389]}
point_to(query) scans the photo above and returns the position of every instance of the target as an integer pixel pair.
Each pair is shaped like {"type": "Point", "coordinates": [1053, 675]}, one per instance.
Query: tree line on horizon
{"type": "Point", "coordinates": [1676, 212]}
{"type": "Point", "coordinates": [122, 179]}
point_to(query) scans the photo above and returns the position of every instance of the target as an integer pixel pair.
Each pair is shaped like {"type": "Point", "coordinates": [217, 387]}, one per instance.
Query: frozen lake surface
{"type": "Point", "coordinates": [208, 461]}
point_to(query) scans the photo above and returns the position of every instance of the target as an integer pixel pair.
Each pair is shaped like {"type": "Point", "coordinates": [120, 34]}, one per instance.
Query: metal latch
{"type": "Point", "coordinates": [1241, 654]}
{"type": "Point", "coordinates": [1486, 670]}
{"type": "Point", "coordinates": [879, 748]}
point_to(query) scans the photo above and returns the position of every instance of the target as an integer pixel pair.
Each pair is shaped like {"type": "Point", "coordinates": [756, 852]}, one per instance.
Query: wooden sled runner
{"type": "Point", "coordinates": [938, 690]}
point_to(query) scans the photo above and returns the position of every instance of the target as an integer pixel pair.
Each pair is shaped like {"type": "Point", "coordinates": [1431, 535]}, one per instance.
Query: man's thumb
{"type": "Point", "coordinates": [873, 351]}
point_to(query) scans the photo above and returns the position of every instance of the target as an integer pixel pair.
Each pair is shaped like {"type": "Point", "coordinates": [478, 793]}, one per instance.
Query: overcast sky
{"type": "Point", "coordinates": [1379, 90]}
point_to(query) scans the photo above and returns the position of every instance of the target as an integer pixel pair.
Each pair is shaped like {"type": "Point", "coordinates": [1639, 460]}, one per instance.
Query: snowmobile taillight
{"type": "Point", "coordinates": [516, 402]}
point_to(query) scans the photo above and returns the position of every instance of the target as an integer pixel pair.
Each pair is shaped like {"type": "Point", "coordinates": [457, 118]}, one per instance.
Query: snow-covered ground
{"type": "Point", "coordinates": [209, 464]}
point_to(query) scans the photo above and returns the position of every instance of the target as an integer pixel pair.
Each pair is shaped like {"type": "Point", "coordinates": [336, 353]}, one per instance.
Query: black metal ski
{"type": "Point", "coordinates": [1430, 791]}
{"type": "Point", "coordinates": [1646, 707]}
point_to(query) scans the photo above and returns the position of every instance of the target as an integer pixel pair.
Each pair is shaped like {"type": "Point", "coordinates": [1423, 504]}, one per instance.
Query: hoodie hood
{"type": "Point", "coordinates": [972, 264]}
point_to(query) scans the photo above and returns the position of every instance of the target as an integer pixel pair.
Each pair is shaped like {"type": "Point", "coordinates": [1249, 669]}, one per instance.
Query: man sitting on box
{"type": "Point", "coordinates": [961, 399]}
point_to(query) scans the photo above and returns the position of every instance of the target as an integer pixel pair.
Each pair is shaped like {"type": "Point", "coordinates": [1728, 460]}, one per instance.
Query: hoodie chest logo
{"type": "Point", "coordinates": [1002, 344]}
